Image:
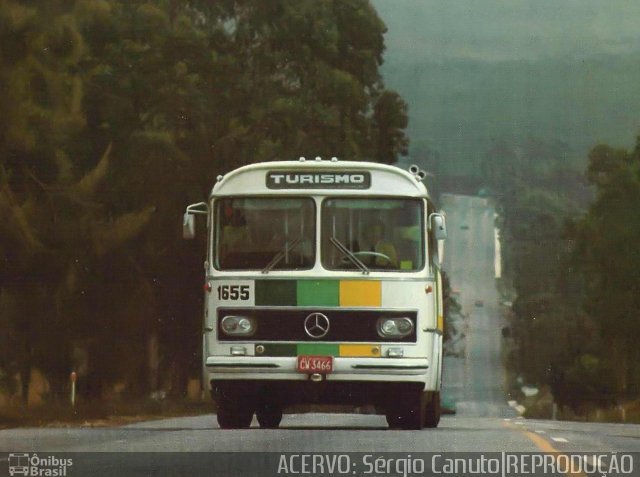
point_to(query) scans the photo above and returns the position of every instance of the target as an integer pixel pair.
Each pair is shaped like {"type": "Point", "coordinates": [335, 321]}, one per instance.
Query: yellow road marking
{"type": "Point", "coordinates": [542, 444]}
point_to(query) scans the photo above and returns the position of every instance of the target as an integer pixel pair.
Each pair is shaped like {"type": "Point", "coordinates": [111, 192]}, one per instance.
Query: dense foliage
{"type": "Point", "coordinates": [573, 264]}
{"type": "Point", "coordinates": [115, 114]}
{"type": "Point", "coordinates": [608, 253]}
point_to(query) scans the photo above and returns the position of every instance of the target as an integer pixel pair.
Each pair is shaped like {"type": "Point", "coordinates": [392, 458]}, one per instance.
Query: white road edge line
{"type": "Point", "coordinates": [541, 432]}
{"type": "Point", "coordinates": [558, 439]}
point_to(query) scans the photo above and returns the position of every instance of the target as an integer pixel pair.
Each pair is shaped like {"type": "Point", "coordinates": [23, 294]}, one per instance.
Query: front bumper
{"type": "Point", "coordinates": [344, 369]}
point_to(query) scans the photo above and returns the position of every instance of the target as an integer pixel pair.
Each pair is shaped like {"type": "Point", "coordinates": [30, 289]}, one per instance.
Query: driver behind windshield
{"type": "Point", "coordinates": [374, 241]}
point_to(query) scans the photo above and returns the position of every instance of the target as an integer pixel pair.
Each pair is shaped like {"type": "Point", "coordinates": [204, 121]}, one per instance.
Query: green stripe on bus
{"type": "Point", "coordinates": [318, 293]}
{"type": "Point", "coordinates": [318, 349]}
{"type": "Point", "coordinates": [300, 349]}
{"type": "Point", "coordinates": [285, 349]}
{"type": "Point", "coordinates": [276, 293]}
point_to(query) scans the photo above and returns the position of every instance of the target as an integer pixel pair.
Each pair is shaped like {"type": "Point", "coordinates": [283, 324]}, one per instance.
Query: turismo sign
{"type": "Point", "coordinates": [318, 180]}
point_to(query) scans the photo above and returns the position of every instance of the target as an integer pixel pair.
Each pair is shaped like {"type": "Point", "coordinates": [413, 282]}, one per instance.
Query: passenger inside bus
{"type": "Point", "coordinates": [265, 233]}
{"type": "Point", "coordinates": [235, 230]}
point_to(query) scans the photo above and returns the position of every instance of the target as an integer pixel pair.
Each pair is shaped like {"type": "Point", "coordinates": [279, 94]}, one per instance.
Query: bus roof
{"type": "Point", "coordinates": [316, 177]}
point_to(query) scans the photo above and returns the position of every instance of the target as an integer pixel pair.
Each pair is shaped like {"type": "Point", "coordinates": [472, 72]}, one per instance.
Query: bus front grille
{"type": "Point", "coordinates": [288, 324]}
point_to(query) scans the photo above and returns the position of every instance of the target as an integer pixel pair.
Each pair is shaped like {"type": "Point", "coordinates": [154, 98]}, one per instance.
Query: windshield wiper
{"type": "Point", "coordinates": [350, 255]}
{"type": "Point", "coordinates": [280, 255]}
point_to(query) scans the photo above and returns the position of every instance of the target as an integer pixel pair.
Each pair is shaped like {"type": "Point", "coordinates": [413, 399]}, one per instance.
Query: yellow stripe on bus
{"type": "Point", "coordinates": [359, 350]}
{"type": "Point", "coordinates": [360, 293]}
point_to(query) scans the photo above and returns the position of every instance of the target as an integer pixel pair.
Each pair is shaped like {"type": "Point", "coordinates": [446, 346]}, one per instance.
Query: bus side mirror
{"type": "Point", "coordinates": [188, 226]}
{"type": "Point", "coordinates": [438, 226]}
{"type": "Point", "coordinates": [189, 219]}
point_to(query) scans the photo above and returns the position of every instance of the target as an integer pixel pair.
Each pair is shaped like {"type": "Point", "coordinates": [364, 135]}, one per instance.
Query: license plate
{"type": "Point", "coordinates": [315, 364]}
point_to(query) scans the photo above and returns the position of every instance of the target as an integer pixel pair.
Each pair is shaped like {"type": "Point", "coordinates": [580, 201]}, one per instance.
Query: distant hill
{"type": "Point", "coordinates": [458, 107]}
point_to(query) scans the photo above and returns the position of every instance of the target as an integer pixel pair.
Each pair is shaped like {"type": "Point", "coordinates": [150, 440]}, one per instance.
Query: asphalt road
{"type": "Point", "coordinates": [474, 380]}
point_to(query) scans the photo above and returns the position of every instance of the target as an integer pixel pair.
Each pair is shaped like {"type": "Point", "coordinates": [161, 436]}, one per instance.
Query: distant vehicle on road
{"type": "Point", "coordinates": [479, 303]}
{"type": "Point", "coordinates": [464, 227]}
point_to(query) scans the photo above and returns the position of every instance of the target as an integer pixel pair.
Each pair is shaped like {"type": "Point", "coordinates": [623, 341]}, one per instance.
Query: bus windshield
{"type": "Point", "coordinates": [265, 234]}
{"type": "Point", "coordinates": [381, 234]}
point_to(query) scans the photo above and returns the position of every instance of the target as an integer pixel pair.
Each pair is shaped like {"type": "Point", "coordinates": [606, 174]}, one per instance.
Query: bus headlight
{"type": "Point", "coordinates": [238, 325]}
{"type": "Point", "coordinates": [395, 327]}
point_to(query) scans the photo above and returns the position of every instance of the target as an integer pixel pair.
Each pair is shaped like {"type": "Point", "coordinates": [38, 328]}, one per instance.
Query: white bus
{"type": "Point", "coordinates": [322, 286]}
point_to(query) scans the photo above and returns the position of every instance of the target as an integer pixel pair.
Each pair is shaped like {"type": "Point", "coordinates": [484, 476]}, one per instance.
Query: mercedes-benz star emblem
{"type": "Point", "coordinates": [316, 325]}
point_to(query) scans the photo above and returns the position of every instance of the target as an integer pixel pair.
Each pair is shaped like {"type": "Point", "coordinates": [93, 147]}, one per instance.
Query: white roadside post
{"type": "Point", "coordinates": [73, 378]}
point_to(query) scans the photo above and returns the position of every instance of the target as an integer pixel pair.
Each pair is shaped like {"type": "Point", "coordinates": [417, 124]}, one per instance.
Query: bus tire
{"type": "Point", "coordinates": [432, 410]}
{"type": "Point", "coordinates": [269, 417]}
{"type": "Point", "coordinates": [231, 416]}
{"type": "Point", "coordinates": [409, 416]}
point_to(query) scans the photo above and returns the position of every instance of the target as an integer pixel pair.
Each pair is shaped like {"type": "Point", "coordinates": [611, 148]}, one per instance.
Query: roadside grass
{"type": "Point", "coordinates": [541, 407]}
{"type": "Point", "coordinates": [119, 413]}
{"type": "Point", "coordinates": [100, 413]}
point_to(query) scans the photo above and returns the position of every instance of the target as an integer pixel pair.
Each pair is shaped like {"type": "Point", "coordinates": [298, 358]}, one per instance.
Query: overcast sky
{"type": "Point", "coordinates": [508, 29]}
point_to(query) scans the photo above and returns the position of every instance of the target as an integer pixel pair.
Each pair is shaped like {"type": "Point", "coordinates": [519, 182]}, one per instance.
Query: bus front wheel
{"type": "Point", "coordinates": [269, 416]}
{"type": "Point", "coordinates": [417, 410]}
{"type": "Point", "coordinates": [408, 414]}
{"type": "Point", "coordinates": [432, 410]}
{"type": "Point", "coordinates": [233, 416]}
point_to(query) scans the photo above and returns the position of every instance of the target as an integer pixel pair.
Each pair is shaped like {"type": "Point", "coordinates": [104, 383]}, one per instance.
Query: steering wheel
{"type": "Point", "coordinates": [375, 255]}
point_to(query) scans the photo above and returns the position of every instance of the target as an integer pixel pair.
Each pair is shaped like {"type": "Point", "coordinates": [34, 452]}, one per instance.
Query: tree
{"type": "Point", "coordinates": [118, 113]}
{"type": "Point", "coordinates": [217, 86]}
{"type": "Point", "coordinates": [607, 250]}
{"type": "Point", "coordinates": [389, 121]}
{"type": "Point", "coordinates": [54, 222]}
